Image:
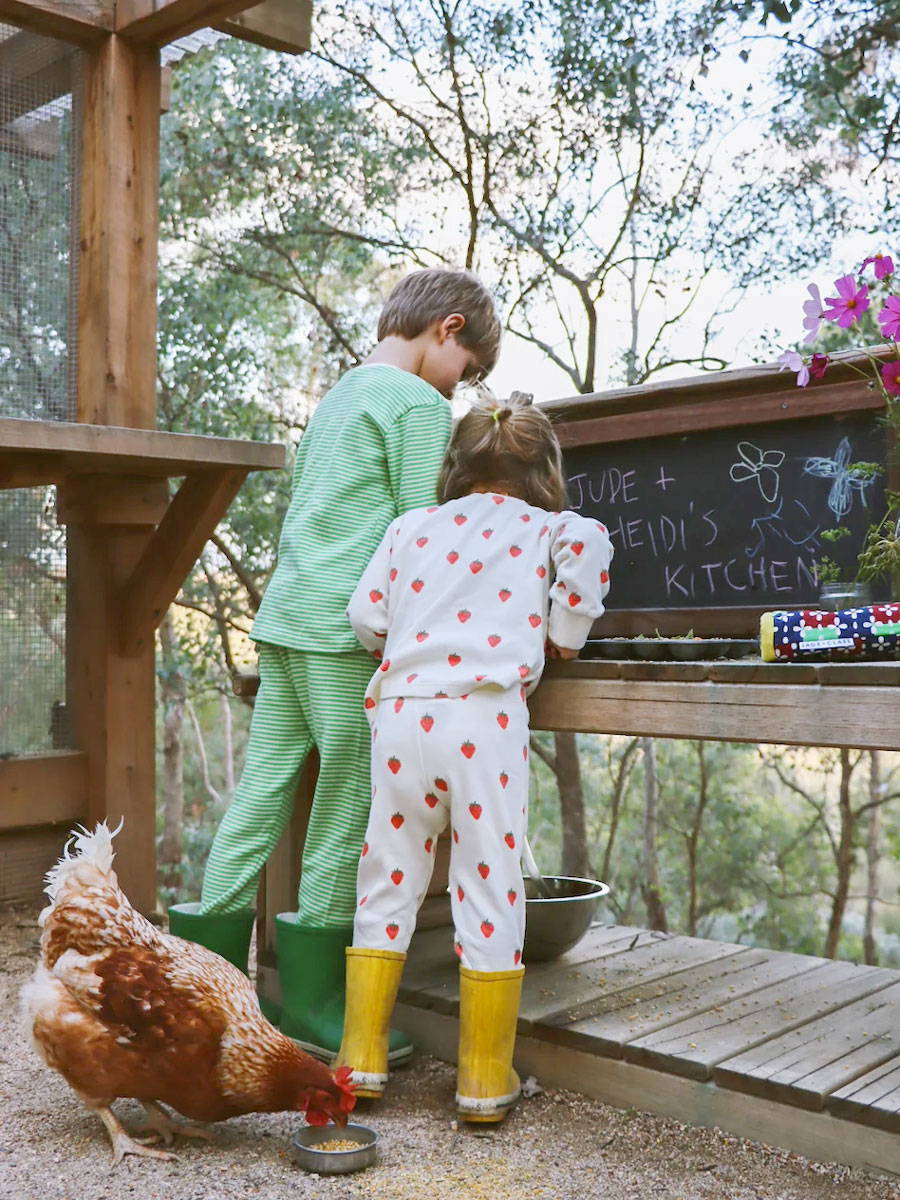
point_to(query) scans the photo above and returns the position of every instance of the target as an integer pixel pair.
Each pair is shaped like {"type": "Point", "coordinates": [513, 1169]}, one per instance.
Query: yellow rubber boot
{"type": "Point", "coordinates": [487, 1087]}
{"type": "Point", "coordinates": [373, 977]}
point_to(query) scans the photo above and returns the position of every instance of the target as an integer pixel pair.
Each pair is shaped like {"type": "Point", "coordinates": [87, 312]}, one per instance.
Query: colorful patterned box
{"type": "Point", "coordinates": [810, 634]}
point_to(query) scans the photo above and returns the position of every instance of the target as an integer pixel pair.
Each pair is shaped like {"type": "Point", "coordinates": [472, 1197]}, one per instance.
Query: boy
{"type": "Point", "coordinates": [372, 451]}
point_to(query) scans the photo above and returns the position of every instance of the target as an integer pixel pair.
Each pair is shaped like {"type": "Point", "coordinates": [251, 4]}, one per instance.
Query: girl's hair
{"type": "Point", "coordinates": [507, 443]}
{"type": "Point", "coordinates": [423, 297]}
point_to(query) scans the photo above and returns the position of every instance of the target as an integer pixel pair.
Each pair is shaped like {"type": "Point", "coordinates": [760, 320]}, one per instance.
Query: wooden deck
{"type": "Point", "coordinates": [798, 1052]}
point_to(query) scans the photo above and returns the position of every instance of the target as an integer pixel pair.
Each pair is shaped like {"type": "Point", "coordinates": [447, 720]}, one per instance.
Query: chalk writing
{"type": "Point", "coordinates": [846, 478]}
{"type": "Point", "coordinates": [761, 465]}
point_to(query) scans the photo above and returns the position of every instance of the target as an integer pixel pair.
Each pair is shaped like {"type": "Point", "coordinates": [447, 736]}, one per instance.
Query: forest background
{"type": "Point", "coordinates": [648, 188]}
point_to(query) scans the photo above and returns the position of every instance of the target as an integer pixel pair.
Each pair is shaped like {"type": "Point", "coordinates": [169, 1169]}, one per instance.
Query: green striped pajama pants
{"type": "Point", "coordinates": [305, 699]}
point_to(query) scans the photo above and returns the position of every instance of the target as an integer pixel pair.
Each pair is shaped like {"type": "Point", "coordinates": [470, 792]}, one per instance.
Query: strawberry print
{"type": "Point", "coordinates": [574, 599]}
{"type": "Point", "coordinates": [487, 928]}
{"type": "Point", "coordinates": [604, 576]}
{"type": "Point", "coordinates": [417, 585]}
{"type": "Point", "coordinates": [515, 550]}
{"type": "Point", "coordinates": [577, 547]}
{"type": "Point", "coordinates": [525, 753]}
{"type": "Point", "coordinates": [486, 533]}
{"type": "Point", "coordinates": [498, 499]}
{"type": "Point", "coordinates": [421, 541]}
{"type": "Point", "coordinates": [517, 957]}
{"type": "Point", "coordinates": [511, 896]}
{"type": "Point", "coordinates": [376, 654]}
{"type": "Point", "coordinates": [460, 893]}
{"type": "Point", "coordinates": [386, 665]}
{"type": "Point", "coordinates": [541, 572]}
{"type": "Point", "coordinates": [534, 619]}
{"type": "Point", "coordinates": [475, 809]}
{"type": "Point", "coordinates": [410, 678]}
{"type": "Point", "coordinates": [504, 594]}
{"type": "Point", "coordinates": [460, 519]}
{"type": "Point", "coordinates": [441, 785]}
{"type": "Point", "coordinates": [494, 639]}
{"type": "Point", "coordinates": [475, 565]}
{"type": "Point", "coordinates": [365, 850]}
{"type": "Point", "coordinates": [392, 574]}
{"type": "Point", "coordinates": [427, 722]}
{"type": "Point", "coordinates": [457, 950]}
{"type": "Point", "coordinates": [502, 719]}
{"type": "Point", "coordinates": [396, 876]}
{"type": "Point", "coordinates": [369, 702]}
{"type": "Point", "coordinates": [525, 517]}
{"type": "Point", "coordinates": [398, 704]}
{"type": "Point", "coordinates": [468, 749]}
{"type": "Point", "coordinates": [463, 615]}
{"type": "Point", "coordinates": [431, 800]}
{"type": "Point", "coordinates": [429, 843]}
{"type": "Point", "coordinates": [484, 870]}
{"type": "Point", "coordinates": [362, 902]}
{"type": "Point", "coordinates": [392, 930]}
{"type": "Point", "coordinates": [422, 635]}
{"type": "Point", "coordinates": [454, 660]}
{"type": "Point", "coordinates": [523, 670]}
{"type": "Point", "coordinates": [544, 529]}
{"type": "Point", "coordinates": [510, 839]}
{"type": "Point", "coordinates": [394, 764]}
{"type": "Point", "coordinates": [602, 528]}
{"type": "Point", "coordinates": [453, 557]}
{"type": "Point", "coordinates": [504, 779]}
{"type": "Point", "coordinates": [455, 837]}
{"type": "Point", "coordinates": [375, 595]}
{"type": "Point", "coordinates": [397, 820]}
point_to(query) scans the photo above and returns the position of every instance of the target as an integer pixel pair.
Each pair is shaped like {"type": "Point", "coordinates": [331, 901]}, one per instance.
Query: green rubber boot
{"type": "Point", "coordinates": [227, 934]}
{"type": "Point", "coordinates": [312, 972]}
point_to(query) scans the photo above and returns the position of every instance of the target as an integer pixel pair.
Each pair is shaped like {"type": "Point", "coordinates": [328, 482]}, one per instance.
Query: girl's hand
{"type": "Point", "coordinates": [551, 650]}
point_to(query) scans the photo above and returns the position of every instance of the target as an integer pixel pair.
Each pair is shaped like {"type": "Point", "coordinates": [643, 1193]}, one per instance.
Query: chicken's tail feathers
{"type": "Point", "coordinates": [82, 848]}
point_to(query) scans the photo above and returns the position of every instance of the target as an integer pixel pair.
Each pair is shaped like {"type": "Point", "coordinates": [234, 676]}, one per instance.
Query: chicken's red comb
{"type": "Point", "coordinates": [343, 1077]}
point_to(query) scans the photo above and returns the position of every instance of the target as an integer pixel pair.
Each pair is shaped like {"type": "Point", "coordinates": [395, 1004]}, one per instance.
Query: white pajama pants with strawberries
{"type": "Point", "coordinates": [463, 761]}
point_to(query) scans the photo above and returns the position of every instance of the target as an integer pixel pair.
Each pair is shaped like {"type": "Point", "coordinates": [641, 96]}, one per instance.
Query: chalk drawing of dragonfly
{"type": "Point", "coordinates": [846, 479]}
{"type": "Point", "coordinates": [761, 465]}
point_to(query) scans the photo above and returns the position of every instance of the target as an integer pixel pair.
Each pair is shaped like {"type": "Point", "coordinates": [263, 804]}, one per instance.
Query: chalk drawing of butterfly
{"type": "Point", "coordinates": [761, 465]}
{"type": "Point", "coordinates": [846, 479]}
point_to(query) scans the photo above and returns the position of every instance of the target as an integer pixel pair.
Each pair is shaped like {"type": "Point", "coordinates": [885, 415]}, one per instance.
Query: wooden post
{"type": "Point", "coordinates": [111, 697]}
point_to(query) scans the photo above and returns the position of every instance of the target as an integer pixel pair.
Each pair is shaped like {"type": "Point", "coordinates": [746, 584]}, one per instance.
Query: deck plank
{"type": "Point", "coordinates": [800, 989]}
{"type": "Point", "coordinates": [806, 1065]}
{"type": "Point", "coordinates": [873, 1098]}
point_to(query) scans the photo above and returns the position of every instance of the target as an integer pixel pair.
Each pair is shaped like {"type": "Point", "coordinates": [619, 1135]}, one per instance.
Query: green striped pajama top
{"type": "Point", "coordinates": [371, 451]}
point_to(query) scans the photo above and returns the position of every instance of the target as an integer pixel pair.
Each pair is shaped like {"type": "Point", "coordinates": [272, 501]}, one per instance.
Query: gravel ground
{"type": "Point", "coordinates": [557, 1145]}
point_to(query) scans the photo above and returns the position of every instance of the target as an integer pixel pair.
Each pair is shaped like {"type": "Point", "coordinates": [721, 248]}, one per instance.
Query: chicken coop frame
{"type": "Point", "coordinates": [130, 545]}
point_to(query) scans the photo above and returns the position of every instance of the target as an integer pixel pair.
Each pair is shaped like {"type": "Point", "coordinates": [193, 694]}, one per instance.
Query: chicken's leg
{"type": "Point", "coordinates": [122, 1144]}
{"type": "Point", "coordinates": [160, 1122]}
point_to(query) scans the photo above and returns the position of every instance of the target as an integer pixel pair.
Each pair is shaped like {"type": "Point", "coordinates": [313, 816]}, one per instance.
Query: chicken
{"type": "Point", "coordinates": [120, 1009]}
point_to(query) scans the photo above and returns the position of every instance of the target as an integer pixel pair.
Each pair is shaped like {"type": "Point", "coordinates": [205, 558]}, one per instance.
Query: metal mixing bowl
{"type": "Point", "coordinates": [554, 925]}
{"type": "Point", "coordinates": [334, 1162]}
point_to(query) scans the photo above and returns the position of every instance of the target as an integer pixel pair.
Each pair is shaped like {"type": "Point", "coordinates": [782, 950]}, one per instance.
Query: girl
{"type": "Point", "coordinates": [460, 603]}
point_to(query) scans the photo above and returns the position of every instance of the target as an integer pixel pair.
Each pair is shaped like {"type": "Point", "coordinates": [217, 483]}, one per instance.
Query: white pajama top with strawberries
{"type": "Point", "coordinates": [458, 600]}
{"type": "Point", "coordinates": [465, 594]}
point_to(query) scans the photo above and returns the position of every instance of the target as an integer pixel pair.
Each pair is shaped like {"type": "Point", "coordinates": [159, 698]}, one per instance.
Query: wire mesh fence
{"type": "Point", "coordinates": [38, 301]}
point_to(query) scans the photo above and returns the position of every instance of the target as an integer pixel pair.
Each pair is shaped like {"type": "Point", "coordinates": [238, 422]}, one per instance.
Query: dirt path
{"type": "Point", "coordinates": [556, 1145]}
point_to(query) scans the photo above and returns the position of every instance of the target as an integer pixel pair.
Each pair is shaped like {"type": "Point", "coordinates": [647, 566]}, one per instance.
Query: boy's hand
{"type": "Point", "coordinates": [551, 650]}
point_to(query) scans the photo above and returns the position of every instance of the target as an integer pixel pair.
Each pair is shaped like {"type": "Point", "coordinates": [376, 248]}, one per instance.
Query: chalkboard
{"type": "Point", "coordinates": [731, 517]}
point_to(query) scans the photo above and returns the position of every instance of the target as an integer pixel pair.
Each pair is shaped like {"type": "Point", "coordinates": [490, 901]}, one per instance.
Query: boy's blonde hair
{"type": "Point", "coordinates": [423, 297]}
{"type": "Point", "coordinates": [507, 443]}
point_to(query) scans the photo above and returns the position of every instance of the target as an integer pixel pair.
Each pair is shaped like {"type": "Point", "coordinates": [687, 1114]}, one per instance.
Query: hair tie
{"type": "Point", "coordinates": [495, 415]}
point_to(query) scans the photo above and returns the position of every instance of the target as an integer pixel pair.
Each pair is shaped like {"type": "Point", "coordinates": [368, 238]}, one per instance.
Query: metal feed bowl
{"type": "Point", "coordinates": [555, 924]}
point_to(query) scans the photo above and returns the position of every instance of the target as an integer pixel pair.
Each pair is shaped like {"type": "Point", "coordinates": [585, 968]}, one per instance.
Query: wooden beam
{"type": "Point", "coordinates": [43, 789]}
{"type": "Point", "coordinates": [77, 447]}
{"type": "Point", "coordinates": [198, 506]}
{"type": "Point", "coordinates": [284, 25]}
{"type": "Point", "coordinates": [155, 22]}
{"type": "Point", "coordinates": [111, 500]}
{"type": "Point", "coordinates": [84, 22]}
{"type": "Point", "coordinates": [33, 71]}
{"type": "Point", "coordinates": [116, 382]}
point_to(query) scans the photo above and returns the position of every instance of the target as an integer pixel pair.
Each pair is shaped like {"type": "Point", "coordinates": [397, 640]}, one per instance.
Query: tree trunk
{"type": "Point", "coordinates": [873, 857]}
{"type": "Point", "coordinates": [228, 746]}
{"type": "Point", "coordinates": [575, 860]}
{"type": "Point", "coordinates": [615, 811]}
{"type": "Point", "coordinates": [693, 840]}
{"type": "Point", "coordinates": [843, 859]}
{"type": "Point", "coordinates": [656, 911]}
{"type": "Point", "coordinates": [172, 696]}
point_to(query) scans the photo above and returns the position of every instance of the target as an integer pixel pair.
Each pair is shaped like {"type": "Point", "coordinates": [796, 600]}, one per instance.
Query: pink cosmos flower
{"type": "Point", "coordinates": [884, 265]}
{"type": "Point", "coordinates": [890, 376]}
{"type": "Point", "coordinates": [813, 318]}
{"type": "Point", "coordinates": [817, 365]}
{"type": "Point", "coordinates": [791, 361]}
{"type": "Point", "coordinates": [849, 304]}
{"type": "Point", "coordinates": [889, 318]}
